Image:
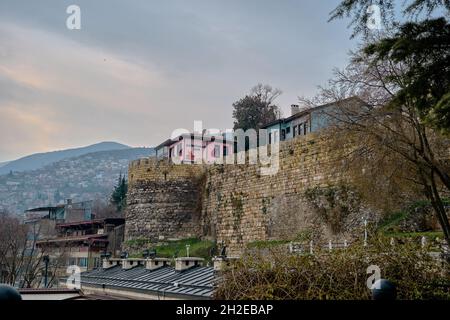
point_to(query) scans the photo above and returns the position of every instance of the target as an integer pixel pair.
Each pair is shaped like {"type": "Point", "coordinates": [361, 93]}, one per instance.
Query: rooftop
{"type": "Point", "coordinates": [116, 221]}
{"type": "Point", "coordinates": [193, 283]}
{"type": "Point", "coordinates": [93, 237]}
{"type": "Point", "coordinates": [309, 110]}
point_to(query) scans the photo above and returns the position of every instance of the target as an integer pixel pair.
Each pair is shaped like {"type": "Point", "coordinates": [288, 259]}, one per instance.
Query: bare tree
{"type": "Point", "coordinates": [387, 149]}
{"type": "Point", "coordinates": [20, 257]}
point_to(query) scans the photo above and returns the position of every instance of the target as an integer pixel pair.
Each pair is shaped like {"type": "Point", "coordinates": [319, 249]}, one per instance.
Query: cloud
{"type": "Point", "coordinates": [70, 82]}
{"type": "Point", "coordinates": [20, 129]}
{"type": "Point", "coordinates": [136, 71]}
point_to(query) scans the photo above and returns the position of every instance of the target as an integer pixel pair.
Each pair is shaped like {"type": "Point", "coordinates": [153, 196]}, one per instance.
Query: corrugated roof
{"type": "Point", "coordinates": [197, 281]}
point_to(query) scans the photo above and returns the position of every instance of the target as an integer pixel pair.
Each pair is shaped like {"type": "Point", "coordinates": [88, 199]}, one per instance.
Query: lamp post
{"type": "Point", "coordinates": [46, 260]}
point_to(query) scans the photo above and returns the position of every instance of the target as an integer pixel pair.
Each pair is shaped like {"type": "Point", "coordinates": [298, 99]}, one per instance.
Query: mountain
{"type": "Point", "coordinates": [87, 177]}
{"type": "Point", "coordinates": [39, 160]}
{"type": "Point", "coordinates": [4, 163]}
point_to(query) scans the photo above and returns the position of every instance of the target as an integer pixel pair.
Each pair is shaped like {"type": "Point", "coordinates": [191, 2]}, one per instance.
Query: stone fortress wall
{"type": "Point", "coordinates": [236, 204]}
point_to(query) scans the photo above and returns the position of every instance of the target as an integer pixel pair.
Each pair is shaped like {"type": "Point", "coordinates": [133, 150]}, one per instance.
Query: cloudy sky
{"type": "Point", "coordinates": [138, 69]}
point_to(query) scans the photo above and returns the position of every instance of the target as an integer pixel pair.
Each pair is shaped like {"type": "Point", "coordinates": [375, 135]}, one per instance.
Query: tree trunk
{"type": "Point", "coordinates": [440, 209]}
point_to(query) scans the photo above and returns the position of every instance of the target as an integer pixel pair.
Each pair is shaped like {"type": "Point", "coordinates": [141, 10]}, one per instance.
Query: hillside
{"type": "Point", "coordinates": [87, 177]}
{"type": "Point", "coordinates": [39, 160]}
{"type": "Point", "coordinates": [3, 163]}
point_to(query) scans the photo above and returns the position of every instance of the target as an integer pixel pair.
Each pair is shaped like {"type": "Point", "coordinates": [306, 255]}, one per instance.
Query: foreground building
{"type": "Point", "coordinates": [153, 279]}
{"type": "Point", "coordinates": [82, 243]}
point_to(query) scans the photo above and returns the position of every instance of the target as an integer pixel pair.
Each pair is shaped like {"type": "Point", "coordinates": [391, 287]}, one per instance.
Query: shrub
{"type": "Point", "coordinates": [339, 274]}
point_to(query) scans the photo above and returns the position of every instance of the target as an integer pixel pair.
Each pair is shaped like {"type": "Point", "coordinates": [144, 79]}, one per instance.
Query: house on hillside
{"type": "Point", "coordinates": [70, 211]}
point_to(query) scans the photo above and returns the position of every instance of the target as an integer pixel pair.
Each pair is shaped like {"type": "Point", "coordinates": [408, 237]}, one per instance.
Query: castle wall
{"type": "Point", "coordinates": [236, 204]}
{"type": "Point", "coordinates": [241, 206]}
{"type": "Point", "coordinates": [163, 200]}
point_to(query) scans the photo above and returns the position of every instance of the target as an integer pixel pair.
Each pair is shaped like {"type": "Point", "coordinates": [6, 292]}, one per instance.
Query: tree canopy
{"type": "Point", "coordinates": [256, 108]}
{"type": "Point", "coordinates": [119, 195]}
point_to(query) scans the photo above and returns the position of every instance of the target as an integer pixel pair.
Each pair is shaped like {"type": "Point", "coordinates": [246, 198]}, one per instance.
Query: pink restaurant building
{"type": "Point", "coordinates": [195, 148]}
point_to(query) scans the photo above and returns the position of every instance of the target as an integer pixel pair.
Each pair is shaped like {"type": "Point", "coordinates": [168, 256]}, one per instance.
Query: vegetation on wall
{"type": "Point", "coordinates": [416, 219]}
{"type": "Point", "coordinates": [238, 209]}
{"type": "Point", "coordinates": [333, 204]}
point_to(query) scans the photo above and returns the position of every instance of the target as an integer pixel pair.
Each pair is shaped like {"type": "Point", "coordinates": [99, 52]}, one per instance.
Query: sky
{"type": "Point", "coordinates": [139, 69]}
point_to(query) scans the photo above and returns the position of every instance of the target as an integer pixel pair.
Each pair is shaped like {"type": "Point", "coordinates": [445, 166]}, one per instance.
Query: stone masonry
{"type": "Point", "coordinates": [235, 204]}
{"type": "Point", "coordinates": [163, 200]}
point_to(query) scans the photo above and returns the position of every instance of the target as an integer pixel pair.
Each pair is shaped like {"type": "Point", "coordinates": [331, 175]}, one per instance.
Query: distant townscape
{"type": "Point", "coordinates": [83, 177]}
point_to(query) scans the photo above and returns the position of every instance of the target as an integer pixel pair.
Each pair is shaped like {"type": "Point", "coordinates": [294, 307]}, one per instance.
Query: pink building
{"type": "Point", "coordinates": [190, 148]}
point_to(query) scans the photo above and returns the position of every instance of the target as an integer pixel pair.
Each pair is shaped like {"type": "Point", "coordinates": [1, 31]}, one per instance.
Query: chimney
{"type": "Point", "coordinates": [131, 263]}
{"type": "Point", "coordinates": [109, 263]}
{"type": "Point", "coordinates": [219, 263]}
{"type": "Point", "coordinates": [185, 263]}
{"type": "Point", "coordinates": [156, 263]}
{"type": "Point", "coordinates": [295, 108]}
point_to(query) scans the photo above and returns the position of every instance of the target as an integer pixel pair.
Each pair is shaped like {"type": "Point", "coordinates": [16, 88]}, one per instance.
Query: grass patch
{"type": "Point", "coordinates": [138, 242]}
{"type": "Point", "coordinates": [392, 221]}
{"type": "Point", "coordinates": [266, 244]}
{"type": "Point", "coordinates": [198, 248]}
{"type": "Point", "coordinates": [430, 235]}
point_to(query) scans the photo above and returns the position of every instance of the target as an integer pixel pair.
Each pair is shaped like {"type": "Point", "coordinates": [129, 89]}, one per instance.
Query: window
{"type": "Point", "coordinates": [300, 129]}
{"type": "Point", "coordinates": [71, 262]}
{"type": "Point", "coordinates": [294, 131]}
{"type": "Point", "coordinates": [216, 152]}
{"type": "Point", "coordinates": [225, 150]}
{"type": "Point", "coordinates": [82, 262]}
{"type": "Point", "coordinates": [283, 134]}
{"type": "Point", "coordinates": [270, 138]}
{"type": "Point", "coordinates": [288, 130]}
{"type": "Point", "coordinates": [306, 126]}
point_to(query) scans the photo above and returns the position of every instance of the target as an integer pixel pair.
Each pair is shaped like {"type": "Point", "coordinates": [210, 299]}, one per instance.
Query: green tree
{"type": "Point", "coordinates": [421, 47]}
{"type": "Point", "coordinates": [119, 195]}
{"type": "Point", "coordinates": [256, 108]}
